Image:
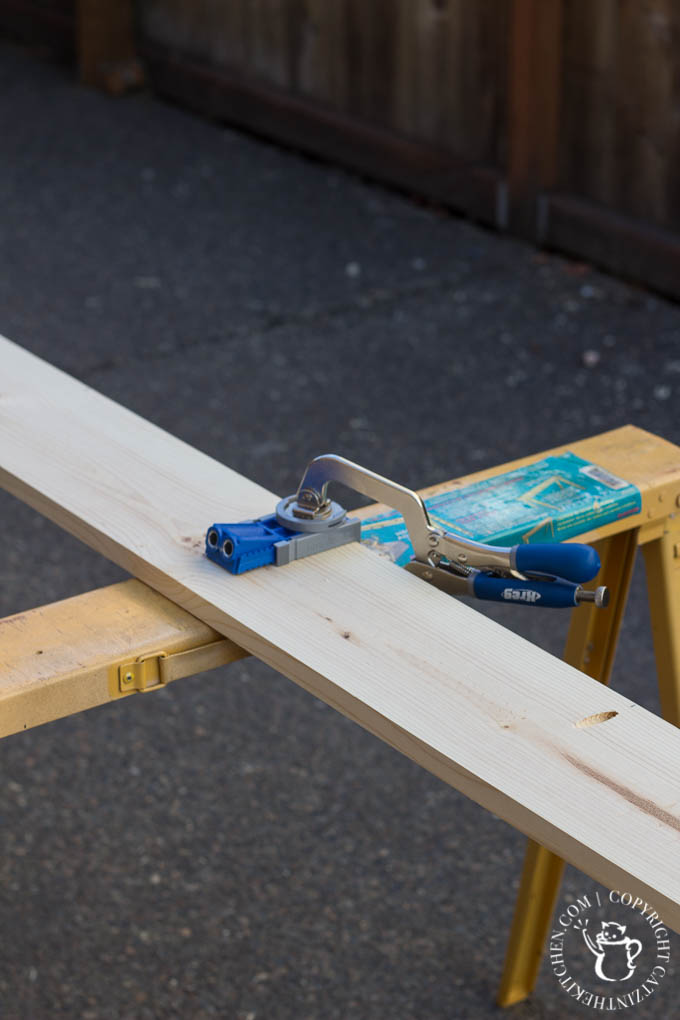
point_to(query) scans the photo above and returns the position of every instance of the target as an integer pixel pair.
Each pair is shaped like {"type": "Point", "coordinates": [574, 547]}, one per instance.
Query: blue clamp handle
{"type": "Point", "coordinates": [557, 594]}
{"type": "Point", "coordinates": [569, 560]}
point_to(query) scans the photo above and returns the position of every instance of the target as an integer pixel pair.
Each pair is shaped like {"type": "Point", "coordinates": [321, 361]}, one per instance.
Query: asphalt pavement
{"type": "Point", "coordinates": [231, 847]}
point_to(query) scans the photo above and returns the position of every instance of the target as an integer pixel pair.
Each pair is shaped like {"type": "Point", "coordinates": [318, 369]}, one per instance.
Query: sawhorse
{"type": "Point", "coordinates": [117, 641]}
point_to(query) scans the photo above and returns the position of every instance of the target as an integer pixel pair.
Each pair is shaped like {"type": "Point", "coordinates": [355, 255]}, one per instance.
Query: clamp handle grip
{"type": "Point", "coordinates": [557, 594]}
{"type": "Point", "coordinates": [569, 560]}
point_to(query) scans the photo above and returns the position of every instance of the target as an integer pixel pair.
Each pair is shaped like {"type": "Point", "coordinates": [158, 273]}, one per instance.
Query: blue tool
{"type": "Point", "coordinates": [548, 575]}
{"type": "Point", "coordinates": [251, 544]}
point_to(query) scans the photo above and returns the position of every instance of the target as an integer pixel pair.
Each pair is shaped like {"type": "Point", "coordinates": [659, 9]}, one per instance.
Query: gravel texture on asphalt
{"type": "Point", "coordinates": [231, 847]}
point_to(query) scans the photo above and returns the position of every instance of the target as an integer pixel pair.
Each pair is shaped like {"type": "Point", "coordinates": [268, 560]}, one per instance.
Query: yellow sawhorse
{"type": "Point", "coordinates": [85, 651]}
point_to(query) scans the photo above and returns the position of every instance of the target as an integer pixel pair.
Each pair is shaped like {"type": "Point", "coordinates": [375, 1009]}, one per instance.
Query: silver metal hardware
{"type": "Point", "coordinates": [445, 560]}
{"type": "Point", "coordinates": [329, 468]}
{"type": "Point", "coordinates": [600, 596]}
{"type": "Point", "coordinates": [291, 515]}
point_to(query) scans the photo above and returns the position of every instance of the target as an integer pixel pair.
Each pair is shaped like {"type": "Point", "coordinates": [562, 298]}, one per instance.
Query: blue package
{"type": "Point", "coordinates": [548, 501]}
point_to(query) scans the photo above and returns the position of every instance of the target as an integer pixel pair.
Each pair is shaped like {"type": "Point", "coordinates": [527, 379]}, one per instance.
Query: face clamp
{"type": "Point", "coordinates": [544, 574]}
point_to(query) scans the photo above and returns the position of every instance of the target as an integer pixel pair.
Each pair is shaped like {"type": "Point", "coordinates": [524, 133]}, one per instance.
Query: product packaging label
{"type": "Point", "coordinates": [548, 501]}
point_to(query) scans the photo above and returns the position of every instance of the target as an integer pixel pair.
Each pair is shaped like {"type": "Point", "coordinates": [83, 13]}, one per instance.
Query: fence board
{"type": "Point", "coordinates": [431, 95]}
{"type": "Point", "coordinates": [429, 69]}
{"type": "Point", "coordinates": [621, 93]}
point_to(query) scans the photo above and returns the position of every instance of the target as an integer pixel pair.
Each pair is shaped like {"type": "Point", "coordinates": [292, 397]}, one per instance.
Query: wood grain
{"type": "Point", "coordinates": [534, 101]}
{"type": "Point", "coordinates": [55, 660]}
{"type": "Point", "coordinates": [619, 143]}
{"type": "Point", "coordinates": [426, 69]}
{"type": "Point", "coordinates": [481, 708]}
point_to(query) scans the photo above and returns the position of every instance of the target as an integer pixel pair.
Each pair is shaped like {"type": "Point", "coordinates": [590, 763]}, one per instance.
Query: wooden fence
{"type": "Point", "coordinates": [554, 119]}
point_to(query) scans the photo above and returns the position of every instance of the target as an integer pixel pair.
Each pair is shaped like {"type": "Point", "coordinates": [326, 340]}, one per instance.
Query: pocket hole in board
{"type": "Point", "coordinates": [593, 720]}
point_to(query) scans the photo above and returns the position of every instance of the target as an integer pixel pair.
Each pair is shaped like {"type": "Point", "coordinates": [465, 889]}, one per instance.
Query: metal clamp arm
{"type": "Point", "coordinates": [312, 500]}
{"type": "Point", "coordinates": [442, 558]}
{"type": "Point", "coordinates": [312, 497]}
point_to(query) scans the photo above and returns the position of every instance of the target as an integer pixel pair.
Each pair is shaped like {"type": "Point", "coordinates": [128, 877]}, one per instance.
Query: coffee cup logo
{"type": "Point", "coordinates": [615, 952]}
{"type": "Point", "coordinates": [609, 951]}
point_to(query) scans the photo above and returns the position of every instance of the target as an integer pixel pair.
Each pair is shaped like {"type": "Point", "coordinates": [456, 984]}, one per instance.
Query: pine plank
{"type": "Point", "coordinates": [483, 709]}
{"type": "Point", "coordinates": [56, 660]}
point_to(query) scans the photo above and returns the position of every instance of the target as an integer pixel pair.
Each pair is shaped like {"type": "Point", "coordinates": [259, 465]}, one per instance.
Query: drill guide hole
{"type": "Point", "coordinates": [212, 538]}
{"type": "Point", "coordinates": [227, 547]}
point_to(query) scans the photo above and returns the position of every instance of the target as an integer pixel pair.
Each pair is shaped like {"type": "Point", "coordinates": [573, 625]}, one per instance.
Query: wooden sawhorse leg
{"type": "Point", "coordinates": [590, 647]}
{"type": "Point", "coordinates": [662, 560]}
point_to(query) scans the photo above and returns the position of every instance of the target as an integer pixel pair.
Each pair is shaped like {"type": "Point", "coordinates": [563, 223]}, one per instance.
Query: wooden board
{"type": "Point", "coordinates": [107, 57]}
{"type": "Point", "coordinates": [534, 86]}
{"type": "Point", "coordinates": [481, 708]}
{"type": "Point", "coordinates": [428, 70]}
{"type": "Point", "coordinates": [57, 660]}
{"type": "Point", "coordinates": [60, 659]}
{"type": "Point", "coordinates": [620, 93]}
